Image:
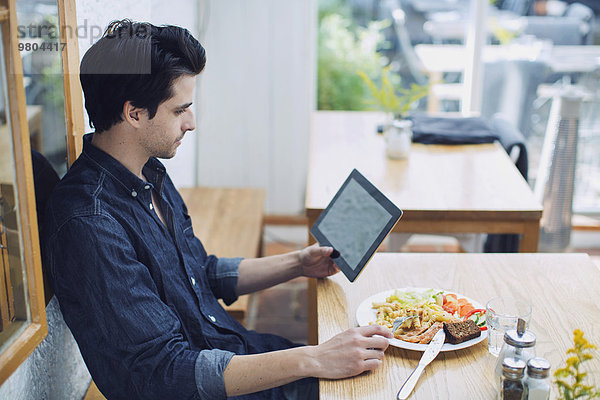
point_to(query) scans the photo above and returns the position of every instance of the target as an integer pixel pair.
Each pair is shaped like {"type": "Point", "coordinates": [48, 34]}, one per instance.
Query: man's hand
{"type": "Point", "coordinates": [347, 354]}
{"type": "Point", "coordinates": [351, 352]}
{"type": "Point", "coordinates": [261, 273]}
{"type": "Point", "coordinates": [316, 263]}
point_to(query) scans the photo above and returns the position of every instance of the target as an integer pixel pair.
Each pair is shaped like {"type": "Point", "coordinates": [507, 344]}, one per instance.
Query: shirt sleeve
{"type": "Point", "coordinates": [223, 278]}
{"type": "Point", "coordinates": [210, 366]}
{"type": "Point", "coordinates": [132, 342]}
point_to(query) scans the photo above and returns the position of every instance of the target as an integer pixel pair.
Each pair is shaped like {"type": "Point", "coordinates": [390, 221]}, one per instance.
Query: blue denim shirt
{"type": "Point", "coordinates": [139, 297]}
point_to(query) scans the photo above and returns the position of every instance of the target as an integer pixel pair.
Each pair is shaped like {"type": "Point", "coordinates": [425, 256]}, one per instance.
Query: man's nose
{"type": "Point", "coordinates": [189, 123]}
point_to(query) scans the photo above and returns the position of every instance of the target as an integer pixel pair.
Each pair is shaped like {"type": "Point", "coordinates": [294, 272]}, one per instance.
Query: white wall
{"type": "Point", "coordinates": [256, 96]}
{"type": "Point", "coordinates": [253, 100]}
{"type": "Point", "coordinates": [55, 370]}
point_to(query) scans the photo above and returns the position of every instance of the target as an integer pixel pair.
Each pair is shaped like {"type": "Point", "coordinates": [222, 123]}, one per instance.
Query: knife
{"type": "Point", "coordinates": [430, 353]}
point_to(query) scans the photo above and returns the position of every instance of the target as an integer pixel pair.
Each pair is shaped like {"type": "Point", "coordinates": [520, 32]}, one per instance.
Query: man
{"type": "Point", "coordinates": [135, 285]}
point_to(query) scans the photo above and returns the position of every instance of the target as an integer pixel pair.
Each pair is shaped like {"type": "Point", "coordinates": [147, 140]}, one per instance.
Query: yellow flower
{"type": "Point", "coordinates": [590, 346]}
{"type": "Point", "coordinates": [572, 385]}
{"type": "Point", "coordinates": [586, 357]}
{"type": "Point", "coordinates": [572, 361]}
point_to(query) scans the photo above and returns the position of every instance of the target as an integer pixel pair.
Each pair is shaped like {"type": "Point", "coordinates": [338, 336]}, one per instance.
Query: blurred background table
{"type": "Point", "coordinates": [438, 58]}
{"type": "Point", "coordinates": [522, 66]}
{"type": "Point", "coordinates": [440, 188]}
{"type": "Point", "coordinates": [562, 301]}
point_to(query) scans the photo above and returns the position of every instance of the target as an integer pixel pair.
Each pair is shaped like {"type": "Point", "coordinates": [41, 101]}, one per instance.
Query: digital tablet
{"type": "Point", "coordinates": [355, 223]}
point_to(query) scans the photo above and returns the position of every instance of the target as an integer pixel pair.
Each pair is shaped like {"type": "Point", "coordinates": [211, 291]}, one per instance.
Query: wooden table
{"type": "Point", "coordinates": [441, 189]}
{"type": "Point", "coordinates": [562, 289]}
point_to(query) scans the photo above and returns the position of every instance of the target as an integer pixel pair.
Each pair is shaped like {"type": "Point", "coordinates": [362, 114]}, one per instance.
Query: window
{"type": "Point", "coordinates": [22, 306]}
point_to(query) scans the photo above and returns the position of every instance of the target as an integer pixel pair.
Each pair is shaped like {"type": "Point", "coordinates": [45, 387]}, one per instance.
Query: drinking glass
{"type": "Point", "coordinates": [502, 314]}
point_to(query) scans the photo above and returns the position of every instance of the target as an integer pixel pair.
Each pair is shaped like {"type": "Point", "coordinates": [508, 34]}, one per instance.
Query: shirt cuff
{"type": "Point", "coordinates": [224, 279]}
{"type": "Point", "coordinates": [228, 267]}
{"type": "Point", "coordinates": [210, 366]}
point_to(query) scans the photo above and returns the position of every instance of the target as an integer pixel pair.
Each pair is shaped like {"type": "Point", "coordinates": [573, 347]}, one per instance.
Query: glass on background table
{"type": "Point", "coordinates": [446, 189]}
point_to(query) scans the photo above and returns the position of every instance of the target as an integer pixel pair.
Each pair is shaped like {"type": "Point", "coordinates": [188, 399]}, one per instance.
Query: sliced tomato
{"type": "Point", "coordinates": [450, 307]}
{"type": "Point", "coordinates": [477, 310]}
{"type": "Point", "coordinates": [466, 309]}
{"type": "Point", "coordinates": [451, 303]}
{"type": "Point", "coordinates": [463, 302]}
{"type": "Point", "coordinates": [451, 297]}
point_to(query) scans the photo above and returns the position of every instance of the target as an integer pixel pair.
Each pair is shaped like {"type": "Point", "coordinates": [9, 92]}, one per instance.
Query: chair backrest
{"type": "Point", "coordinates": [580, 11]}
{"type": "Point", "coordinates": [586, 15]}
{"type": "Point", "coordinates": [406, 52]}
{"type": "Point", "coordinates": [509, 88]}
{"type": "Point", "coordinates": [45, 179]}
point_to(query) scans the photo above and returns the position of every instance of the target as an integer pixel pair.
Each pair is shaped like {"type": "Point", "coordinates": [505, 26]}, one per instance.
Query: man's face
{"type": "Point", "coordinates": [163, 133]}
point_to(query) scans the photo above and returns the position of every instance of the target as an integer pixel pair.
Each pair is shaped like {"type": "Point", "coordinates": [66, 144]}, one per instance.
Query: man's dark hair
{"type": "Point", "coordinates": [138, 62]}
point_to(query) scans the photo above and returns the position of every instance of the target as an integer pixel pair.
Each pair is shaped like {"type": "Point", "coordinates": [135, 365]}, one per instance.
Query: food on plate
{"type": "Point", "coordinates": [432, 307]}
{"type": "Point", "coordinates": [421, 336]}
{"type": "Point", "coordinates": [478, 316]}
{"type": "Point", "coordinates": [458, 332]}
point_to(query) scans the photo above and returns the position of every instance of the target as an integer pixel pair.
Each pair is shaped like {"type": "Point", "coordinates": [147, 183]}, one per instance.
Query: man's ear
{"type": "Point", "coordinates": [132, 114]}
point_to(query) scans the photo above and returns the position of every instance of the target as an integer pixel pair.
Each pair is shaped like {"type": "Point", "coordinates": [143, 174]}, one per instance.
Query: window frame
{"type": "Point", "coordinates": [25, 340]}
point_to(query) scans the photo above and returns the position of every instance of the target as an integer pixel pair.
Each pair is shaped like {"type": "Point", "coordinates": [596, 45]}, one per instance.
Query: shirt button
{"type": "Point", "coordinates": [193, 281]}
{"type": "Point", "coordinates": [151, 206]}
{"type": "Point", "coordinates": [133, 193]}
{"type": "Point", "coordinates": [147, 187]}
{"type": "Point", "coordinates": [213, 319]}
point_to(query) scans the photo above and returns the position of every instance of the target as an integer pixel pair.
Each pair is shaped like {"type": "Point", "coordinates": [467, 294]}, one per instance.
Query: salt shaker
{"type": "Point", "coordinates": [538, 381]}
{"type": "Point", "coordinates": [518, 343]}
{"type": "Point", "coordinates": [511, 383]}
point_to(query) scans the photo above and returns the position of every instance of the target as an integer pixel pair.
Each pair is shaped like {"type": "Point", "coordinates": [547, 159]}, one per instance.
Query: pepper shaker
{"type": "Point", "coordinates": [511, 384]}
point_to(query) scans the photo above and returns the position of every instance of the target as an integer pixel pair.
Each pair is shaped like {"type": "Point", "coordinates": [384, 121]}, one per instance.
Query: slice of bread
{"type": "Point", "coordinates": [458, 332]}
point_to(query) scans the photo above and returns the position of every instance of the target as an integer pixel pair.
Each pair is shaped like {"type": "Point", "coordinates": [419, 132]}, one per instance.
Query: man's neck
{"type": "Point", "coordinates": [121, 146]}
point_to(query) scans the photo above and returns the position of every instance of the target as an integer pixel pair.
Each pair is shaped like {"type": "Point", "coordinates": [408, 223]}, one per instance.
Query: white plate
{"type": "Point", "coordinates": [366, 314]}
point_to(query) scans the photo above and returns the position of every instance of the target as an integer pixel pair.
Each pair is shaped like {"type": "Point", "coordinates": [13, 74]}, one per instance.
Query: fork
{"type": "Point", "coordinates": [399, 321]}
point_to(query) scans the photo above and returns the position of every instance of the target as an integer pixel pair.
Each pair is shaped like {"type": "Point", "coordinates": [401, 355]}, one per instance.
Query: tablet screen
{"type": "Point", "coordinates": [355, 223]}
{"type": "Point", "coordinates": [355, 211]}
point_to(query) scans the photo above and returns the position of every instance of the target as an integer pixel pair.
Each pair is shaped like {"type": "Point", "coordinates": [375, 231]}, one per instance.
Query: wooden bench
{"type": "Point", "coordinates": [229, 223]}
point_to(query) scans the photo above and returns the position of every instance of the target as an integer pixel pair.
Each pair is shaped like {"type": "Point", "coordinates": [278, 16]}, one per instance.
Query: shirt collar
{"type": "Point", "coordinates": [153, 170]}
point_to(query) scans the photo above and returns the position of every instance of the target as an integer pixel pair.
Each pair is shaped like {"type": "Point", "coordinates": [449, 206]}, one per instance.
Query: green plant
{"type": "Point", "coordinates": [343, 50]}
{"type": "Point", "coordinates": [570, 379]}
{"type": "Point", "coordinates": [386, 98]}
{"type": "Point", "coordinates": [340, 7]}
